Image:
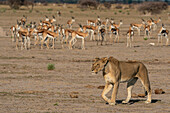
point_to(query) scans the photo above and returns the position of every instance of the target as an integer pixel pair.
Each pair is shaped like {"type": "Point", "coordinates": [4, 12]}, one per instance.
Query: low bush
{"type": "Point", "coordinates": [152, 7]}
{"type": "Point", "coordinates": [50, 67]}
{"type": "Point", "coordinates": [107, 5]}
{"type": "Point", "coordinates": [88, 3]}
{"type": "Point", "coordinates": [118, 6]}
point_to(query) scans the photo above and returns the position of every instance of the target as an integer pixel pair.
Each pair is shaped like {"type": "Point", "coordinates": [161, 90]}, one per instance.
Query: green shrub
{"type": "Point", "coordinates": [145, 38]}
{"type": "Point", "coordinates": [56, 104]}
{"type": "Point", "coordinates": [120, 11]}
{"type": "Point", "coordinates": [51, 67]}
{"type": "Point", "coordinates": [30, 11]}
{"type": "Point", "coordinates": [50, 9]}
{"type": "Point", "coordinates": [71, 11]}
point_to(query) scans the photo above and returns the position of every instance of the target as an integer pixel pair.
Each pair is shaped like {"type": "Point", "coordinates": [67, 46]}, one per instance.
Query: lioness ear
{"type": "Point", "coordinates": [96, 59]}
{"type": "Point", "coordinates": [104, 59]}
{"type": "Point", "coordinates": [115, 61]}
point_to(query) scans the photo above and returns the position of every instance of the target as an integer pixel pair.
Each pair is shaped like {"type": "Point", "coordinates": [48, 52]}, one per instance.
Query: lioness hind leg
{"type": "Point", "coordinates": [146, 84]}
{"type": "Point", "coordinates": [130, 85]}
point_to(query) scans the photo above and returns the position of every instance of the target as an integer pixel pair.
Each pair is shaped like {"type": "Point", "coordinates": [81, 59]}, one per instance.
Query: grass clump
{"type": "Point", "coordinates": [50, 9]}
{"type": "Point", "coordinates": [71, 11]}
{"type": "Point", "coordinates": [56, 104]}
{"type": "Point", "coordinates": [50, 67]}
{"type": "Point", "coordinates": [145, 38]}
{"type": "Point", "coordinates": [14, 11]}
{"type": "Point", "coordinates": [30, 11]}
{"type": "Point", "coordinates": [3, 10]}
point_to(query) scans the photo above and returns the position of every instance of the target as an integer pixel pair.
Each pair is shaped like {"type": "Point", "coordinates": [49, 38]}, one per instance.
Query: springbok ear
{"type": "Point", "coordinates": [162, 25]}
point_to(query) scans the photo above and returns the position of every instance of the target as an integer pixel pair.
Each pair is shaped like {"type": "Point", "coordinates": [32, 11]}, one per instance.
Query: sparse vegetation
{"type": "Point", "coordinates": [71, 11]}
{"type": "Point", "coordinates": [3, 10]}
{"type": "Point", "coordinates": [145, 38]}
{"type": "Point", "coordinates": [50, 67]}
{"type": "Point", "coordinates": [56, 104]}
{"type": "Point", "coordinates": [30, 11]}
{"type": "Point", "coordinates": [50, 9]}
{"type": "Point", "coordinates": [120, 11]}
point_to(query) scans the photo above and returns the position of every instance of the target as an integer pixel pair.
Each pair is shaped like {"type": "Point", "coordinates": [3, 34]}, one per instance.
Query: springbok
{"type": "Point", "coordinates": [76, 35]}
{"type": "Point", "coordinates": [163, 32]}
{"type": "Point", "coordinates": [70, 23]}
{"type": "Point", "coordinates": [130, 35]}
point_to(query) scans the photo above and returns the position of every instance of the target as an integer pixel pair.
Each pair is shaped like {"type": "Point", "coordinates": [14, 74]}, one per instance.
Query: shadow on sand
{"type": "Point", "coordinates": [132, 101]}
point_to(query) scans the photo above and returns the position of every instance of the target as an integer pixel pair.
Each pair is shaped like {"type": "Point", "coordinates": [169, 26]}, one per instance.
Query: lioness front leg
{"type": "Point", "coordinates": [107, 88]}
{"type": "Point", "coordinates": [114, 94]}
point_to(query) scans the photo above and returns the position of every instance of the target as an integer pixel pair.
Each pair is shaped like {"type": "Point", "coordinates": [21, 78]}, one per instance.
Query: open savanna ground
{"type": "Point", "coordinates": [26, 85]}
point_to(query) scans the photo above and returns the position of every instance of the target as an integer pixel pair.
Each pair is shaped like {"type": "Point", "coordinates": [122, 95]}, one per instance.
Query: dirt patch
{"type": "Point", "coordinates": [2, 32]}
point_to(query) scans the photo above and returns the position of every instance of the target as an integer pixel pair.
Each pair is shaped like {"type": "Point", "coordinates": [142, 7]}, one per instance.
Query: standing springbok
{"type": "Point", "coordinates": [75, 36]}
{"type": "Point", "coordinates": [23, 35]}
{"type": "Point", "coordinates": [147, 30]}
{"type": "Point", "coordinates": [48, 21]}
{"type": "Point", "coordinates": [114, 26]}
{"type": "Point", "coordinates": [138, 27]}
{"type": "Point", "coordinates": [155, 22]}
{"type": "Point", "coordinates": [91, 30]}
{"type": "Point", "coordinates": [163, 32]}
{"type": "Point", "coordinates": [105, 24]}
{"type": "Point", "coordinates": [58, 13]}
{"type": "Point", "coordinates": [115, 31]}
{"type": "Point", "coordinates": [130, 35]}
{"type": "Point", "coordinates": [102, 32]}
{"type": "Point", "coordinates": [93, 22]}
{"type": "Point", "coordinates": [47, 35]}
{"type": "Point", "coordinates": [23, 20]}
{"type": "Point", "coordinates": [70, 23]}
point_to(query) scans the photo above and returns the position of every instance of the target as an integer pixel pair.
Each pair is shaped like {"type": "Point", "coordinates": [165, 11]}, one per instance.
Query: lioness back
{"type": "Point", "coordinates": [131, 68]}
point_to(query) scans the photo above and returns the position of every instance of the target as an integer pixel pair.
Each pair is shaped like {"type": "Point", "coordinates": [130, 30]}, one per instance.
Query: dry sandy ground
{"type": "Point", "coordinates": [27, 86]}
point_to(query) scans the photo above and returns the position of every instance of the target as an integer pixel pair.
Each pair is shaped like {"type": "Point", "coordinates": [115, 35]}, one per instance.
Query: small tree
{"type": "Point", "coordinates": [88, 3]}
{"type": "Point", "coordinates": [16, 4]}
{"type": "Point", "coordinates": [107, 5]}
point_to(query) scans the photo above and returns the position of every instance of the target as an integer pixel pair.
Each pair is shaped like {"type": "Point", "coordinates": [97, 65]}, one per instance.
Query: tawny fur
{"type": "Point", "coordinates": [115, 72]}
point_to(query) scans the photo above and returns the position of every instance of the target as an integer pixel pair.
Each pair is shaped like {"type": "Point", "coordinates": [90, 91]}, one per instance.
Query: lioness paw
{"type": "Point", "coordinates": [112, 104]}
{"type": "Point", "coordinates": [147, 102]}
{"type": "Point", "coordinates": [124, 102]}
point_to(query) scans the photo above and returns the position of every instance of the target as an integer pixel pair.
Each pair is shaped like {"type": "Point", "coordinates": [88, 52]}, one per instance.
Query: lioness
{"type": "Point", "coordinates": [115, 72]}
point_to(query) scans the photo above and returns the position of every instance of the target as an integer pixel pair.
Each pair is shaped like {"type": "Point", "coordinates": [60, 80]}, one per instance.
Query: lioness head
{"type": "Point", "coordinates": [98, 64]}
